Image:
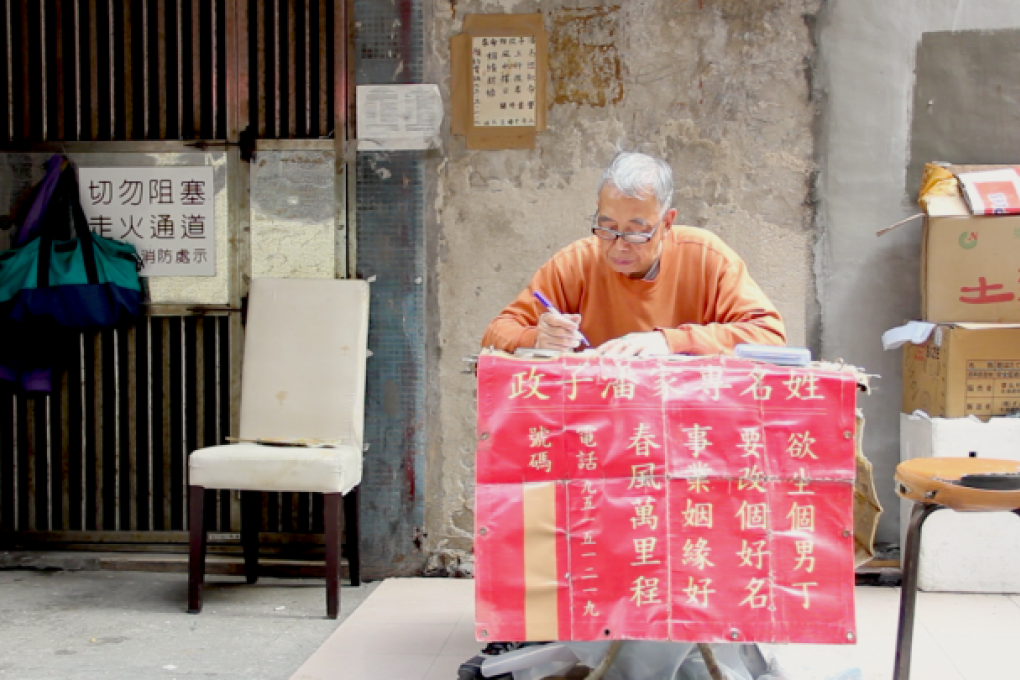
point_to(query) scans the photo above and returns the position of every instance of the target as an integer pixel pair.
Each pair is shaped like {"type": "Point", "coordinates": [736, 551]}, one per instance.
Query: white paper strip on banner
{"type": "Point", "coordinates": [167, 213]}
{"type": "Point", "coordinates": [395, 117]}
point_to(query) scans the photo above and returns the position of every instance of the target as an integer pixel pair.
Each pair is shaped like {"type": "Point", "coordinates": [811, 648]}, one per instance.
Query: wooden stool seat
{"type": "Point", "coordinates": [936, 480]}
{"type": "Point", "coordinates": [934, 484]}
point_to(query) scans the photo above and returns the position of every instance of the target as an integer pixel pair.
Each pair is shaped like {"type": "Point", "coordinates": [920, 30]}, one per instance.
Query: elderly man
{"type": "Point", "coordinates": [640, 285]}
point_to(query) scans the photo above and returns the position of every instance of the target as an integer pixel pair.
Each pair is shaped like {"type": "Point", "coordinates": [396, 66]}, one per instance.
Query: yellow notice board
{"type": "Point", "coordinates": [499, 67]}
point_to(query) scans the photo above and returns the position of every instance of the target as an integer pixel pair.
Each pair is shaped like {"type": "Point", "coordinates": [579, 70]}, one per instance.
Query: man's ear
{"type": "Point", "coordinates": [670, 216]}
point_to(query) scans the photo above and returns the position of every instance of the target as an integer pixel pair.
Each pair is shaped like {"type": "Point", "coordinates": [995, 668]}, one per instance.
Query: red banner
{"type": "Point", "coordinates": [705, 500]}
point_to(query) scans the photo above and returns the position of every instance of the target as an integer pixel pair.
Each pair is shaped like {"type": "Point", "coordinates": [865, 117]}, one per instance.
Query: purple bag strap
{"type": "Point", "coordinates": [32, 225]}
{"type": "Point", "coordinates": [68, 184]}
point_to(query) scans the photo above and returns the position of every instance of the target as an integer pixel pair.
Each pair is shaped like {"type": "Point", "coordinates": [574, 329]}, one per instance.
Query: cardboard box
{"type": "Point", "coordinates": [964, 369]}
{"type": "Point", "coordinates": [969, 264]}
{"type": "Point", "coordinates": [969, 552]}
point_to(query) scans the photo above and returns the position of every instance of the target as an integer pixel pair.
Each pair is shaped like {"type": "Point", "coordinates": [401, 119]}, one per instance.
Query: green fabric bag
{"type": "Point", "coordinates": [86, 282]}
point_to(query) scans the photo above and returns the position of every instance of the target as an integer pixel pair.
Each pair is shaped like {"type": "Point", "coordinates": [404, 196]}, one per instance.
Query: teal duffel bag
{"type": "Point", "coordinates": [82, 283]}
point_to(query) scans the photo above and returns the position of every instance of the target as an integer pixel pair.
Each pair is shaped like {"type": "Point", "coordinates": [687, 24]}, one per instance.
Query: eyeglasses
{"type": "Point", "coordinates": [634, 238]}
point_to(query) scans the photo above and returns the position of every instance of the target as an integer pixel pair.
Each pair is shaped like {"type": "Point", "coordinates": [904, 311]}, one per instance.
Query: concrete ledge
{"type": "Point", "coordinates": [218, 565]}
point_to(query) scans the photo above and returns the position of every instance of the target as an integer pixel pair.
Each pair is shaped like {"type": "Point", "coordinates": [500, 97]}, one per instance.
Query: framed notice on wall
{"type": "Point", "coordinates": [499, 68]}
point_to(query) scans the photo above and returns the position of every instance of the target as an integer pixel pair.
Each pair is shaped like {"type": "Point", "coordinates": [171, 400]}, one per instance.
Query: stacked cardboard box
{"type": "Point", "coordinates": [967, 371]}
{"type": "Point", "coordinates": [970, 287]}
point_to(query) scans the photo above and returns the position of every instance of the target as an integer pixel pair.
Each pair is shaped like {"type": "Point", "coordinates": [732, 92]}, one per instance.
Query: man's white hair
{"type": "Point", "coordinates": [636, 175]}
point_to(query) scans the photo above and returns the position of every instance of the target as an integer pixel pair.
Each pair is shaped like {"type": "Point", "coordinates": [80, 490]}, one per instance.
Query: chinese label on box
{"type": "Point", "coordinates": [167, 213]}
{"type": "Point", "coordinates": [703, 500]}
{"type": "Point", "coordinates": [992, 192]}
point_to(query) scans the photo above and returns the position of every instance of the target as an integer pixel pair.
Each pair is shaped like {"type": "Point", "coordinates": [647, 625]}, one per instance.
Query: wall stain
{"type": "Point", "coordinates": [744, 16]}
{"type": "Point", "coordinates": [583, 56]}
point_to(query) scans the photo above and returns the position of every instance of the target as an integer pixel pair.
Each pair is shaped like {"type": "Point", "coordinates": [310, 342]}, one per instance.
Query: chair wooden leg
{"type": "Point", "coordinates": [352, 535]}
{"type": "Point", "coordinates": [908, 594]}
{"type": "Point", "coordinates": [251, 525]}
{"type": "Point", "coordinates": [196, 548]}
{"type": "Point", "coordinates": [333, 517]}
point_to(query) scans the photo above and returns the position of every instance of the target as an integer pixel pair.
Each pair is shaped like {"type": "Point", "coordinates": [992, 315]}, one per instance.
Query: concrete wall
{"type": "Point", "coordinates": [720, 88]}
{"type": "Point", "coordinates": [866, 284]}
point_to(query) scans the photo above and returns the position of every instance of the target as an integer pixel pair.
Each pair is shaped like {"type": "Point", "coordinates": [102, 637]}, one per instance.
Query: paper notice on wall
{"type": "Point", "coordinates": [399, 117]}
{"type": "Point", "coordinates": [504, 76]}
{"type": "Point", "coordinates": [992, 192]}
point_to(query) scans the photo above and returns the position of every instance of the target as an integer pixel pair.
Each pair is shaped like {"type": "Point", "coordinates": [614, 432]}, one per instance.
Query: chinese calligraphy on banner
{"type": "Point", "coordinates": [704, 500]}
{"type": "Point", "coordinates": [504, 80]}
{"type": "Point", "coordinates": [165, 212]}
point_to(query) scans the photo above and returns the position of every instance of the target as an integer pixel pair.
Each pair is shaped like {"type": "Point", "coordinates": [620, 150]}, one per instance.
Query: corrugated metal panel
{"type": "Point", "coordinates": [290, 59]}
{"type": "Point", "coordinates": [108, 451]}
{"type": "Point", "coordinates": [97, 70]}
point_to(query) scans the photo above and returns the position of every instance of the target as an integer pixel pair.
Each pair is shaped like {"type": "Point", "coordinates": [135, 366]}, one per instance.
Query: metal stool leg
{"type": "Point", "coordinates": [908, 594]}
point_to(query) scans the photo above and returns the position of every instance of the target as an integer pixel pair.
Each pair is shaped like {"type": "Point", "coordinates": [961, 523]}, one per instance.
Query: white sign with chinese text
{"type": "Point", "coordinates": [167, 213]}
{"type": "Point", "coordinates": [504, 79]}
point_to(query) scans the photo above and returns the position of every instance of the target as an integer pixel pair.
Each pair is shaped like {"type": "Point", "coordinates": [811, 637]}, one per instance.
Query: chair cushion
{"type": "Point", "coordinates": [258, 467]}
{"type": "Point", "coordinates": [305, 347]}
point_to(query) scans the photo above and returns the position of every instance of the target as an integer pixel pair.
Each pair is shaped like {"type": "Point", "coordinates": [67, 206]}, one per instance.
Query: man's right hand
{"type": "Point", "coordinates": [558, 332]}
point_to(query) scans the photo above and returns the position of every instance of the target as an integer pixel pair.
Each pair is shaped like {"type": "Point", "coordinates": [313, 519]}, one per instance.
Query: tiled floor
{"type": "Point", "coordinates": [422, 629]}
{"type": "Point", "coordinates": [412, 629]}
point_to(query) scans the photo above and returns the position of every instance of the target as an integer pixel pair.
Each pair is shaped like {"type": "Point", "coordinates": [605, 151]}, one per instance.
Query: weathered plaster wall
{"type": "Point", "coordinates": [720, 88]}
{"type": "Point", "coordinates": [292, 214]}
{"type": "Point", "coordinates": [868, 284]}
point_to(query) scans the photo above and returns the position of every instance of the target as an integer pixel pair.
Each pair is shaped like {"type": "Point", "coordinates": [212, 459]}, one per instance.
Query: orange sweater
{"type": "Point", "coordinates": [702, 298]}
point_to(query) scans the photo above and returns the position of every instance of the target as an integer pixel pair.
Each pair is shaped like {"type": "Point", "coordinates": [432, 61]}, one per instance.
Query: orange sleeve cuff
{"type": "Point", "coordinates": [528, 338]}
{"type": "Point", "coordinates": [677, 339]}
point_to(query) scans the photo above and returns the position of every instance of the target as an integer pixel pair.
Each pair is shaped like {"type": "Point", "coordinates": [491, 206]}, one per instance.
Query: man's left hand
{"type": "Point", "coordinates": [636, 345]}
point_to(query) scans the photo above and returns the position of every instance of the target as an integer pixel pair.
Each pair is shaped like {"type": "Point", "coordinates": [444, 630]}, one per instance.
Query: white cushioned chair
{"type": "Point", "coordinates": [303, 380]}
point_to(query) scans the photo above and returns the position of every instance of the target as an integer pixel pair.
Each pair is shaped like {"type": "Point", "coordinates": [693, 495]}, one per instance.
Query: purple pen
{"type": "Point", "coordinates": [552, 308]}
